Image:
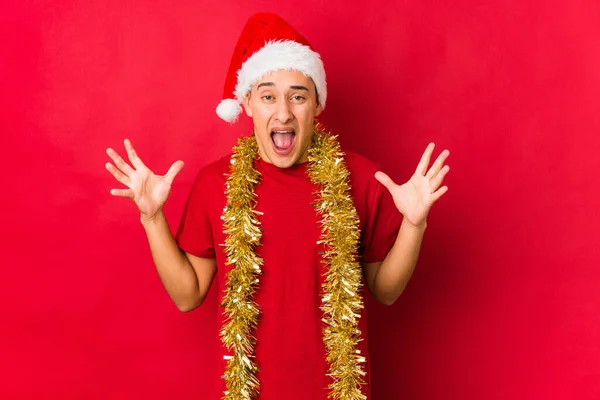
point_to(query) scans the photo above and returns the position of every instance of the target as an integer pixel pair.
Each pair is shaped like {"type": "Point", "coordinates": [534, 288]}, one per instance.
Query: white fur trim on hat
{"type": "Point", "coordinates": [229, 110]}
{"type": "Point", "coordinates": [282, 54]}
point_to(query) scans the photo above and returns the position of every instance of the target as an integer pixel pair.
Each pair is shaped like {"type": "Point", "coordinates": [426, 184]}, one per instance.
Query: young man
{"type": "Point", "coordinates": [292, 227]}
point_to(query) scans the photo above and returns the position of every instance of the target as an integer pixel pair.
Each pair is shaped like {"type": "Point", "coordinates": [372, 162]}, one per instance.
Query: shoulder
{"type": "Point", "coordinates": [212, 174]}
{"type": "Point", "coordinates": [215, 168]}
{"type": "Point", "coordinates": [355, 160]}
{"type": "Point", "coordinates": [207, 193]}
{"type": "Point", "coordinates": [366, 191]}
{"type": "Point", "coordinates": [360, 167]}
{"type": "Point", "coordinates": [364, 187]}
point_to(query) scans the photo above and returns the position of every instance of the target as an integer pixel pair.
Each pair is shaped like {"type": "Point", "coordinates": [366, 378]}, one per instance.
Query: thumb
{"type": "Point", "coordinates": [385, 180]}
{"type": "Point", "coordinates": [174, 170]}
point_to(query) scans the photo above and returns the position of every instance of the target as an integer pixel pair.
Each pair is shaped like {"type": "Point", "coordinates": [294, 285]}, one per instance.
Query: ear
{"type": "Point", "coordinates": [247, 107]}
{"type": "Point", "coordinates": [319, 107]}
{"type": "Point", "coordinates": [319, 110]}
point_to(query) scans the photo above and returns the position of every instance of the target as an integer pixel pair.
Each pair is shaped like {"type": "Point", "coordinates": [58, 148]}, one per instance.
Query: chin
{"type": "Point", "coordinates": [284, 161]}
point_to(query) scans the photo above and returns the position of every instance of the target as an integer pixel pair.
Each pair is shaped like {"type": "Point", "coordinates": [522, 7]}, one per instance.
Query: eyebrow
{"type": "Point", "coordinates": [295, 87]}
{"type": "Point", "coordinates": [265, 84]}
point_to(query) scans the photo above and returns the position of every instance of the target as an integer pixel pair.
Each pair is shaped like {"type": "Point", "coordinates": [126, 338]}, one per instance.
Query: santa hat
{"type": "Point", "coordinates": [267, 44]}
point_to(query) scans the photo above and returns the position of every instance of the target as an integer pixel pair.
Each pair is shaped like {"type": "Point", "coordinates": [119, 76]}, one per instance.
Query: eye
{"type": "Point", "coordinates": [298, 98]}
{"type": "Point", "coordinates": [267, 97]}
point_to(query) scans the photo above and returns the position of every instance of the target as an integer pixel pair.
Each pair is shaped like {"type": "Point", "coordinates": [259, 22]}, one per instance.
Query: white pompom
{"type": "Point", "coordinates": [229, 110]}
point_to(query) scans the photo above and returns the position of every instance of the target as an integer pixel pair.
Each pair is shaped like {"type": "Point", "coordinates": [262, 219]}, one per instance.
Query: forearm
{"type": "Point", "coordinates": [173, 267]}
{"type": "Point", "coordinates": [396, 269]}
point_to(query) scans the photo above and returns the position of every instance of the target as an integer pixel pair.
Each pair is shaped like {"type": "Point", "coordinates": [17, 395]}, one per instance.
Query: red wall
{"type": "Point", "coordinates": [505, 301]}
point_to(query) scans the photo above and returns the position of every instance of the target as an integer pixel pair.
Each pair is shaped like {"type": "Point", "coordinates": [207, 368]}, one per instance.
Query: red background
{"type": "Point", "coordinates": [504, 303]}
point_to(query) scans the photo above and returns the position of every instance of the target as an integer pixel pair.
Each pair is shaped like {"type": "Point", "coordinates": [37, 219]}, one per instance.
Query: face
{"type": "Point", "coordinates": [283, 105]}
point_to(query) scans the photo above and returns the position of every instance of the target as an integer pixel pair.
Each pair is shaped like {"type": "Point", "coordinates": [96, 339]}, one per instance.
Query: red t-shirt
{"type": "Point", "coordinates": [289, 352]}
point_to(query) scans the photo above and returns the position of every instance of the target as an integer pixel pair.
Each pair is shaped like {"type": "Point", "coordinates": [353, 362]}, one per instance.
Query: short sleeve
{"type": "Point", "coordinates": [194, 234]}
{"type": "Point", "coordinates": [381, 226]}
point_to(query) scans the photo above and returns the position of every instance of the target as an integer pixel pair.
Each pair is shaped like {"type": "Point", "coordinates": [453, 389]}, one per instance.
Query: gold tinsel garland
{"type": "Point", "coordinates": [341, 296]}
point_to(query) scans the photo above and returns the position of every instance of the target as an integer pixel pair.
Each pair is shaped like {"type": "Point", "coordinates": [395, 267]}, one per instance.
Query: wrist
{"type": "Point", "coordinates": [150, 220]}
{"type": "Point", "coordinates": [418, 227]}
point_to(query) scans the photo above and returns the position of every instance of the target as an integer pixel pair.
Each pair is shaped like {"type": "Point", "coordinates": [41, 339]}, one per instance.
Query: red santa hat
{"type": "Point", "coordinates": [268, 44]}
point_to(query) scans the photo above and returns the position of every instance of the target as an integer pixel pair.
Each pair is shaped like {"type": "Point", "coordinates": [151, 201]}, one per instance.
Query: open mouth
{"type": "Point", "coordinates": [283, 140]}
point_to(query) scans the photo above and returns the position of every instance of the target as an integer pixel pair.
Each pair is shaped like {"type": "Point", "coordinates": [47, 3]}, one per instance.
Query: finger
{"type": "Point", "coordinates": [438, 164]}
{"type": "Point", "coordinates": [385, 180]}
{"type": "Point", "coordinates": [133, 157]}
{"type": "Point", "coordinates": [439, 193]}
{"type": "Point", "coordinates": [121, 177]}
{"type": "Point", "coordinates": [174, 170]}
{"type": "Point", "coordinates": [425, 158]}
{"type": "Point", "coordinates": [437, 180]}
{"type": "Point", "coordinates": [119, 162]}
{"type": "Point", "coordinates": [122, 193]}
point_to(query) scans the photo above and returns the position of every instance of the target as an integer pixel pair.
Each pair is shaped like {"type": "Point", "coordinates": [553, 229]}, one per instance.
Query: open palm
{"type": "Point", "coordinates": [415, 197]}
{"type": "Point", "coordinates": [148, 191]}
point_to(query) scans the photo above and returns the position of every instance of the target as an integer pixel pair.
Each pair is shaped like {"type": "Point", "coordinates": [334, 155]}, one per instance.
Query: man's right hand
{"type": "Point", "coordinates": [148, 191]}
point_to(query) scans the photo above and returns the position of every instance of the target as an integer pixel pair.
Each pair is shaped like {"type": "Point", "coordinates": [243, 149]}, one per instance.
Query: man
{"type": "Point", "coordinates": [291, 226]}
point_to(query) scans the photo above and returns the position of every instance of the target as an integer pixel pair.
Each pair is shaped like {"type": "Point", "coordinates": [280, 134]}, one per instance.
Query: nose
{"type": "Point", "coordinates": [283, 113]}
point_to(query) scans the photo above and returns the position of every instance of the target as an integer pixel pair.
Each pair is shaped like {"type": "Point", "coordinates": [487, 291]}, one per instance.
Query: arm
{"type": "Point", "coordinates": [186, 278]}
{"type": "Point", "coordinates": [387, 279]}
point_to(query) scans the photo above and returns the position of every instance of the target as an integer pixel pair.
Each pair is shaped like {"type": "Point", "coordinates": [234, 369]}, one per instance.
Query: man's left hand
{"type": "Point", "coordinates": [415, 198]}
